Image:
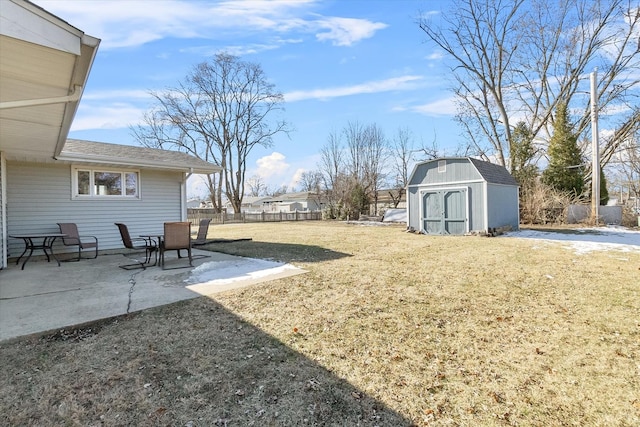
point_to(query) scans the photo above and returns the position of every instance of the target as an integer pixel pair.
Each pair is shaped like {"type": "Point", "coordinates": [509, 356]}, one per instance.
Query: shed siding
{"type": "Point", "coordinates": [457, 170]}
{"type": "Point", "coordinates": [503, 206]}
{"type": "Point", "coordinates": [492, 193]}
{"type": "Point", "coordinates": [39, 196]}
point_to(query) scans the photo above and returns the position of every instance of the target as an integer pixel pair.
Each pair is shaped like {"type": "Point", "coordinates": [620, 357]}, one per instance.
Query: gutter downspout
{"type": "Point", "coordinates": [183, 195]}
{"type": "Point", "coordinates": [3, 211]}
{"type": "Point", "coordinates": [72, 97]}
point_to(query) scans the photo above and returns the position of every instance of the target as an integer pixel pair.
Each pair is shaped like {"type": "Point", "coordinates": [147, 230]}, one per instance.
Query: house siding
{"type": "Point", "coordinates": [3, 237]}
{"type": "Point", "coordinates": [39, 196]}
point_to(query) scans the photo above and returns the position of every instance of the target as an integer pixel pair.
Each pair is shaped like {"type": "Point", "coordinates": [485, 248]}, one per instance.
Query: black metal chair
{"type": "Point", "coordinates": [137, 244]}
{"type": "Point", "coordinates": [73, 238]}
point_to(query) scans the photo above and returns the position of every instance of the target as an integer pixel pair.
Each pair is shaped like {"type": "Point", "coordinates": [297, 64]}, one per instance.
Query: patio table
{"type": "Point", "coordinates": [31, 242]}
{"type": "Point", "coordinates": [156, 239]}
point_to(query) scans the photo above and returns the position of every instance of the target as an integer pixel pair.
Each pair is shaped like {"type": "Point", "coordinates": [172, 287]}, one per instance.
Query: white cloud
{"type": "Point", "coordinates": [396, 83]}
{"type": "Point", "coordinates": [133, 23]}
{"type": "Point", "coordinates": [436, 56]}
{"type": "Point", "coordinates": [101, 95]}
{"type": "Point", "coordinates": [438, 108]}
{"type": "Point", "coordinates": [272, 166]}
{"type": "Point", "coordinates": [295, 179]}
{"type": "Point", "coordinates": [112, 116]}
{"type": "Point", "coordinates": [347, 31]}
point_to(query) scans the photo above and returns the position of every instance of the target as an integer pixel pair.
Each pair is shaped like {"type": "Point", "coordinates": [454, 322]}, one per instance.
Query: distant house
{"type": "Point", "coordinates": [249, 204]}
{"type": "Point", "coordinates": [289, 202]}
{"type": "Point", "coordinates": [387, 199]}
{"type": "Point", "coordinates": [461, 195]}
{"type": "Point", "coordinates": [46, 178]}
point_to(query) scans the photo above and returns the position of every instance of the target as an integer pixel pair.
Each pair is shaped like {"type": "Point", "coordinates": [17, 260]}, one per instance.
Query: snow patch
{"type": "Point", "coordinates": [229, 271]}
{"type": "Point", "coordinates": [585, 240]}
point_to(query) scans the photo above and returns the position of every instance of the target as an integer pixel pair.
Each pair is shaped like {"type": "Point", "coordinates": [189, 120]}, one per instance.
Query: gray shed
{"type": "Point", "coordinates": [461, 195]}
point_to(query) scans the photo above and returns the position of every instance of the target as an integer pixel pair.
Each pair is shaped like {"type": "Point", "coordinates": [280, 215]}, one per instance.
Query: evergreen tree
{"type": "Point", "coordinates": [564, 172]}
{"type": "Point", "coordinates": [522, 153]}
{"type": "Point", "coordinates": [604, 193]}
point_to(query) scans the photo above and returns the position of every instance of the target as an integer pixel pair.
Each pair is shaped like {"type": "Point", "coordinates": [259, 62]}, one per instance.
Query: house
{"type": "Point", "coordinates": [388, 198]}
{"type": "Point", "coordinates": [45, 178]}
{"type": "Point", "coordinates": [461, 195]}
{"type": "Point", "coordinates": [290, 202]}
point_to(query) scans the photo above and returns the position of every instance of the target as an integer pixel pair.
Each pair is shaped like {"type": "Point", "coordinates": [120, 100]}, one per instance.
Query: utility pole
{"type": "Point", "coordinates": [595, 151]}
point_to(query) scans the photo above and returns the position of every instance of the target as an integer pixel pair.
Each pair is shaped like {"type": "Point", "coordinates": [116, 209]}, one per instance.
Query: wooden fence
{"type": "Point", "coordinates": [195, 215]}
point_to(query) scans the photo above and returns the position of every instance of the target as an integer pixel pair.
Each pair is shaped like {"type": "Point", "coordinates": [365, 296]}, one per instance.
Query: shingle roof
{"type": "Point", "coordinates": [492, 173]}
{"type": "Point", "coordinates": [79, 151]}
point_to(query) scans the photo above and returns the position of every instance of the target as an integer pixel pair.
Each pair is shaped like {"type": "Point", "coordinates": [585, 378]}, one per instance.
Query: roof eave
{"type": "Point", "coordinates": [81, 71]}
{"type": "Point", "coordinates": [105, 160]}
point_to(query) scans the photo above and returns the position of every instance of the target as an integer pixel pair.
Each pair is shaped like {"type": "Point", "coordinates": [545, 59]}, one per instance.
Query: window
{"type": "Point", "coordinates": [442, 166]}
{"type": "Point", "coordinates": [105, 183]}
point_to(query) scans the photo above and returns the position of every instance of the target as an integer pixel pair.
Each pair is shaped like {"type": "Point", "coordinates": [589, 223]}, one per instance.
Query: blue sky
{"type": "Point", "coordinates": [335, 61]}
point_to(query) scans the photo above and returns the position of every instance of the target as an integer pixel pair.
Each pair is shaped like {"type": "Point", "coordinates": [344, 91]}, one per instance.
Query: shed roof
{"type": "Point", "coordinates": [489, 172]}
{"type": "Point", "coordinates": [79, 151]}
{"type": "Point", "coordinates": [492, 173]}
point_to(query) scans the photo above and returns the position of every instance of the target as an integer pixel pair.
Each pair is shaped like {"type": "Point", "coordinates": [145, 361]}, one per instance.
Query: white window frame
{"type": "Point", "coordinates": [92, 187]}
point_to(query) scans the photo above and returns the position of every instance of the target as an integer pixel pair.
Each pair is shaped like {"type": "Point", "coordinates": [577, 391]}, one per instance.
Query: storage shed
{"type": "Point", "coordinates": [461, 195]}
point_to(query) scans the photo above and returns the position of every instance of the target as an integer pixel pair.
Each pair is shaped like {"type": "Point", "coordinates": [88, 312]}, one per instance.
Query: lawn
{"type": "Point", "coordinates": [387, 328]}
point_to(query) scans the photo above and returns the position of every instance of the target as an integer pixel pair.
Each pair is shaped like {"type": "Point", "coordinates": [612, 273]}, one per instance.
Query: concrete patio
{"type": "Point", "coordinates": [45, 297]}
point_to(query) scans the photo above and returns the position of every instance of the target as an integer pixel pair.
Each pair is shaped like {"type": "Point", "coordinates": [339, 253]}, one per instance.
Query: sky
{"type": "Point", "coordinates": [335, 62]}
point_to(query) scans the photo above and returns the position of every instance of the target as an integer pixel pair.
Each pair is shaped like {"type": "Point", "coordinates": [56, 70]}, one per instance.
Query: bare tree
{"type": "Point", "coordinates": [277, 191]}
{"type": "Point", "coordinates": [376, 153]}
{"type": "Point", "coordinates": [256, 186]}
{"type": "Point", "coordinates": [356, 144]}
{"type": "Point", "coordinates": [628, 162]}
{"type": "Point", "coordinates": [402, 155]}
{"type": "Point", "coordinates": [311, 181]}
{"type": "Point", "coordinates": [219, 113]}
{"type": "Point", "coordinates": [517, 60]}
{"type": "Point", "coordinates": [332, 169]}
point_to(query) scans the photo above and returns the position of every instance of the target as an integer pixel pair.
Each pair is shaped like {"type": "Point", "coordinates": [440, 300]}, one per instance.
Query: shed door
{"type": "Point", "coordinates": [444, 212]}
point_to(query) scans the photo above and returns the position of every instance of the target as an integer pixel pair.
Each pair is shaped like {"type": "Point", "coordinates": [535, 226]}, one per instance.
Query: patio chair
{"type": "Point", "coordinates": [177, 236]}
{"type": "Point", "coordinates": [203, 229]}
{"type": "Point", "coordinates": [73, 238]}
{"type": "Point", "coordinates": [137, 243]}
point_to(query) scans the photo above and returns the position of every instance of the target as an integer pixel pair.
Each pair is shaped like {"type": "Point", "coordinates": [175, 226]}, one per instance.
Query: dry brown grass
{"type": "Point", "coordinates": [387, 328]}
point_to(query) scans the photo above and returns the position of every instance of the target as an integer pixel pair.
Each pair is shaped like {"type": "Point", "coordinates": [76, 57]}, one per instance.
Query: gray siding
{"type": "Point", "coordinates": [476, 206]}
{"type": "Point", "coordinates": [2, 219]}
{"type": "Point", "coordinates": [503, 206]}
{"type": "Point", "coordinates": [457, 170]}
{"type": "Point", "coordinates": [39, 196]}
{"type": "Point", "coordinates": [492, 193]}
